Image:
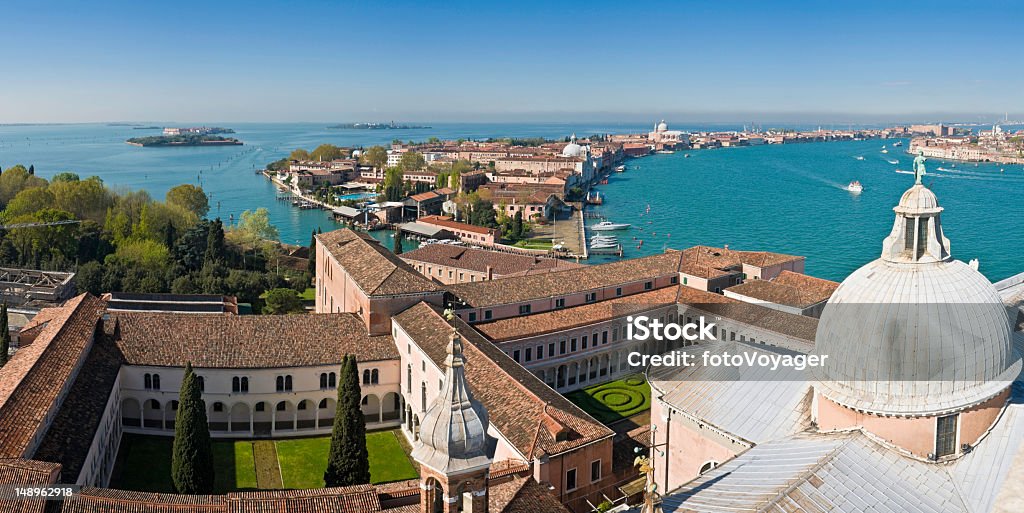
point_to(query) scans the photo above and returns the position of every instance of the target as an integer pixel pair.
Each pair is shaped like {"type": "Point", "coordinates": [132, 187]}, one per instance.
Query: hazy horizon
{"type": "Point", "coordinates": [316, 61]}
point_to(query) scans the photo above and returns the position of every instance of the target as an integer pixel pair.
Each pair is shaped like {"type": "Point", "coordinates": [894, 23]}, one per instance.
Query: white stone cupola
{"type": "Point", "coordinates": [453, 446]}
{"type": "Point", "coordinates": [916, 235]}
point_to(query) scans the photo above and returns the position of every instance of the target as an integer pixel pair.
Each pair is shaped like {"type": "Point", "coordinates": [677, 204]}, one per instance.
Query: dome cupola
{"type": "Point", "coordinates": [915, 332]}
{"type": "Point", "coordinates": [572, 149]}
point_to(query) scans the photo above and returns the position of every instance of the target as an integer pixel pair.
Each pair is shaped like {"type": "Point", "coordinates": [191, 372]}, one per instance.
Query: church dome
{"type": "Point", "coordinates": [915, 332]}
{"type": "Point", "coordinates": [572, 149]}
{"type": "Point", "coordinates": [662, 126]}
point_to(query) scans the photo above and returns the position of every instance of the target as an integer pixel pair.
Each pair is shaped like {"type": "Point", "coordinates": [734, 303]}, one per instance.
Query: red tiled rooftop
{"type": "Point", "coordinates": [479, 260]}
{"type": "Point", "coordinates": [447, 222]}
{"type": "Point", "coordinates": [374, 269]}
{"type": "Point", "coordinates": [247, 341]}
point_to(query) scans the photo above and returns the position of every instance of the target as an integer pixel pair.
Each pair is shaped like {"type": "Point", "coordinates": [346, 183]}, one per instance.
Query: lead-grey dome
{"type": "Point", "coordinates": [453, 432]}
{"type": "Point", "coordinates": [915, 332]}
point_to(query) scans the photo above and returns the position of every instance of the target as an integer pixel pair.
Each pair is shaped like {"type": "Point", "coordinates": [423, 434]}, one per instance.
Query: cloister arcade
{"type": "Point", "coordinates": [262, 418]}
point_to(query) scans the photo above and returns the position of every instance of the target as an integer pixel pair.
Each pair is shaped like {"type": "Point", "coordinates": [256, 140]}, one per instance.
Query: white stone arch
{"type": "Point", "coordinates": [131, 412]}
{"type": "Point", "coordinates": [325, 409]}
{"type": "Point", "coordinates": [574, 373]}
{"type": "Point", "coordinates": [217, 420]}
{"type": "Point", "coordinates": [305, 415]}
{"type": "Point", "coordinates": [284, 415]}
{"type": "Point", "coordinates": [153, 413]}
{"type": "Point", "coordinates": [562, 376]}
{"type": "Point", "coordinates": [390, 407]}
{"type": "Point", "coordinates": [370, 406]}
{"type": "Point", "coordinates": [603, 366]}
{"type": "Point", "coordinates": [240, 418]}
{"type": "Point", "coordinates": [263, 421]}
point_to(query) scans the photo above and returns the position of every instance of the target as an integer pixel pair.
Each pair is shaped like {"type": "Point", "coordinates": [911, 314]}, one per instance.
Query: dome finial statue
{"type": "Point", "coordinates": [919, 171]}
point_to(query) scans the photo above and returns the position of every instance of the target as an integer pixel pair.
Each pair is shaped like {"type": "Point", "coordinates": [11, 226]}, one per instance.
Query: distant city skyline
{"type": "Point", "coordinates": [743, 62]}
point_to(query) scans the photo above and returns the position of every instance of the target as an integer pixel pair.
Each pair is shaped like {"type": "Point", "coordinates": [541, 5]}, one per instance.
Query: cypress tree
{"type": "Point", "coordinates": [215, 241]}
{"type": "Point", "coordinates": [311, 267]}
{"type": "Point", "coordinates": [32, 169]}
{"type": "Point", "coordinates": [348, 462]}
{"type": "Point", "coordinates": [517, 225]}
{"type": "Point", "coordinates": [5, 335]}
{"type": "Point", "coordinates": [192, 456]}
{"type": "Point", "coordinates": [398, 242]}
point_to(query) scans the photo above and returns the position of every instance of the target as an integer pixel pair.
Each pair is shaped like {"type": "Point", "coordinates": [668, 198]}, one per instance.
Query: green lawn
{"type": "Point", "coordinates": [303, 460]}
{"type": "Point", "coordinates": [309, 294]}
{"type": "Point", "coordinates": [615, 400]}
{"type": "Point", "coordinates": [534, 244]}
{"type": "Point", "coordinates": [144, 462]}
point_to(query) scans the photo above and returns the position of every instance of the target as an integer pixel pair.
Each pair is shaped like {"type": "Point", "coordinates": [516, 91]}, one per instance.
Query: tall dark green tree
{"type": "Point", "coordinates": [5, 335]}
{"type": "Point", "coordinates": [348, 462]}
{"type": "Point", "coordinates": [311, 266]}
{"type": "Point", "coordinates": [398, 242]}
{"type": "Point", "coordinates": [32, 169]}
{"type": "Point", "coordinates": [215, 241]}
{"type": "Point", "coordinates": [517, 225]}
{"type": "Point", "coordinates": [192, 456]}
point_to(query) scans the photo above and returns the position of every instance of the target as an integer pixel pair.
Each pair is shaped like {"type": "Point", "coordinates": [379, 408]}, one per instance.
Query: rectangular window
{"type": "Point", "coordinates": [572, 344]}
{"type": "Point", "coordinates": [591, 297]}
{"type": "Point", "coordinates": [515, 355]}
{"type": "Point", "coordinates": [684, 280]}
{"type": "Point", "coordinates": [551, 350]}
{"type": "Point", "coordinates": [472, 316]}
{"type": "Point", "coordinates": [595, 471]}
{"type": "Point", "coordinates": [675, 280]}
{"type": "Point", "coordinates": [585, 341]}
{"type": "Point", "coordinates": [648, 285]}
{"type": "Point", "coordinates": [529, 353]}
{"type": "Point", "coordinates": [604, 337]}
{"type": "Point", "coordinates": [561, 347]}
{"type": "Point", "coordinates": [560, 302]}
{"type": "Point", "coordinates": [488, 314]}
{"type": "Point", "coordinates": [540, 352]}
{"type": "Point", "coordinates": [570, 480]}
{"type": "Point", "coordinates": [524, 309]}
{"type": "Point", "coordinates": [945, 435]}
{"type": "Point", "coordinates": [618, 291]}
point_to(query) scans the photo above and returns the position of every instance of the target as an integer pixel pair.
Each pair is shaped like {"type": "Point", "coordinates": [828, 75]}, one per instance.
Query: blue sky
{"type": "Point", "coordinates": [466, 61]}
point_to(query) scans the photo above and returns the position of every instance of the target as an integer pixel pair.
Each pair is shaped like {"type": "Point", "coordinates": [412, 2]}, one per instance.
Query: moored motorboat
{"type": "Point", "coordinates": [608, 226]}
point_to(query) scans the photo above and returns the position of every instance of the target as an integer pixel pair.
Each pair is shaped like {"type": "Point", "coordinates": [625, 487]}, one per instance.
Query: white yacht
{"type": "Point", "coordinates": [858, 157]}
{"type": "Point", "coordinates": [855, 187]}
{"type": "Point", "coordinates": [609, 226]}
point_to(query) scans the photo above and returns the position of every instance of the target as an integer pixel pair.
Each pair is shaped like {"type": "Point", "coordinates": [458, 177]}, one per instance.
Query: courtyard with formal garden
{"type": "Point", "coordinates": [615, 400]}
{"type": "Point", "coordinates": [144, 462]}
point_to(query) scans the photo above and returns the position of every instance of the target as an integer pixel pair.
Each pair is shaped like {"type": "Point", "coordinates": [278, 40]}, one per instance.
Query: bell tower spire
{"type": "Point", "coordinates": [452, 449]}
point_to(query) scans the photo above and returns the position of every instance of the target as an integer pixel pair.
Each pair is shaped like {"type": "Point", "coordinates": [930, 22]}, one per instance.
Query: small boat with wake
{"type": "Point", "coordinates": [855, 187]}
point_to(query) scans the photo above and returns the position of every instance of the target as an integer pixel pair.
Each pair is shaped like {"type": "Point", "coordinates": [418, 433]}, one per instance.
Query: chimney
{"type": "Point", "coordinates": [490, 273]}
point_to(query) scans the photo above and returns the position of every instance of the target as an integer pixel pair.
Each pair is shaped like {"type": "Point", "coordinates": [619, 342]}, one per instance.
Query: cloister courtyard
{"type": "Point", "coordinates": [144, 462]}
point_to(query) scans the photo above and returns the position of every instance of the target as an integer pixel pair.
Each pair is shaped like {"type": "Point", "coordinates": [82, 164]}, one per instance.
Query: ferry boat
{"type": "Point", "coordinates": [855, 187]}
{"type": "Point", "coordinates": [609, 226]}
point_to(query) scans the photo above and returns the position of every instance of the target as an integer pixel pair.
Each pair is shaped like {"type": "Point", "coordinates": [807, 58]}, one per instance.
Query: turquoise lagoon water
{"type": "Point", "coordinates": [789, 198]}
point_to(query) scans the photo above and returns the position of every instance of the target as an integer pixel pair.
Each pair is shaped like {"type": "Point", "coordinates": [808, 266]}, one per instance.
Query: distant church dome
{"type": "Point", "coordinates": [572, 149]}
{"type": "Point", "coordinates": [662, 126]}
{"type": "Point", "coordinates": [356, 153]}
{"type": "Point", "coordinates": [915, 332]}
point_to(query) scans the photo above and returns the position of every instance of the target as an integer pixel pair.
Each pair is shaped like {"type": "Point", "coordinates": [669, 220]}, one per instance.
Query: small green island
{"type": "Point", "coordinates": [184, 140]}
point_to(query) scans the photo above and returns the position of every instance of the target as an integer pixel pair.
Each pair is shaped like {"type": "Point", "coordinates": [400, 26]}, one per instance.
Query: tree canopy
{"type": "Point", "coordinates": [190, 197]}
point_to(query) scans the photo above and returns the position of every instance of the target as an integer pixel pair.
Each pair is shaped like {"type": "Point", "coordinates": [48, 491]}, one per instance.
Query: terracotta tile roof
{"type": "Point", "coordinates": [26, 472]}
{"type": "Point", "coordinates": [447, 222]}
{"type": "Point", "coordinates": [375, 270]}
{"type": "Point", "coordinates": [71, 433]}
{"type": "Point", "coordinates": [247, 341]}
{"type": "Point", "coordinates": [350, 499]}
{"type": "Point", "coordinates": [31, 382]}
{"type": "Point", "coordinates": [570, 281]}
{"type": "Point", "coordinates": [567, 318]}
{"type": "Point", "coordinates": [722, 258]}
{"type": "Point", "coordinates": [523, 495]}
{"type": "Point", "coordinates": [798, 326]}
{"type": "Point", "coordinates": [424, 196]}
{"type": "Point", "coordinates": [789, 288]}
{"type": "Point", "coordinates": [106, 500]}
{"type": "Point", "coordinates": [529, 414]}
{"type": "Point", "coordinates": [502, 264]}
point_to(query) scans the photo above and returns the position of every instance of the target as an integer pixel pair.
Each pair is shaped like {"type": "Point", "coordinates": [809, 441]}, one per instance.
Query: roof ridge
{"type": "Point", "coordinates": [805, 476]}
